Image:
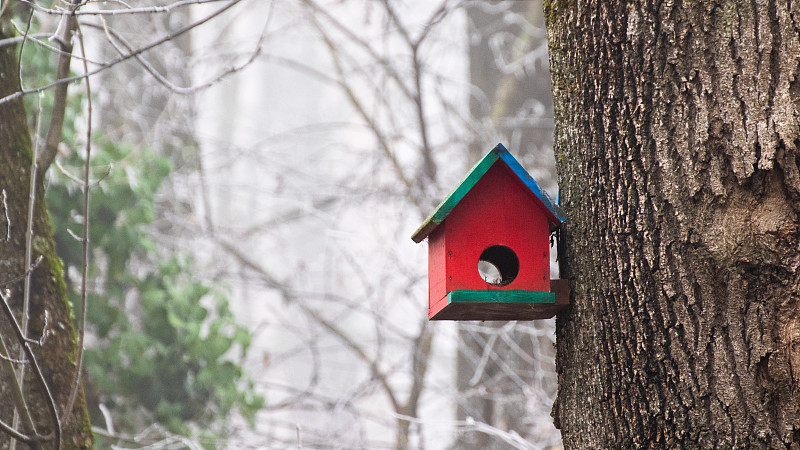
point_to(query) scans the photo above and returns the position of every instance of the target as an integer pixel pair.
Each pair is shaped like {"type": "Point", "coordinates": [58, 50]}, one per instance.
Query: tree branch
{"type": "Point", "coordinates": [76, 380]}
{"type": "Point", "coordinates": [16, 389]}
{"type": "Point", "coordinates": [120, 59]}
{"type": "Point", "coordinates": [63, 37]}
{"type": "Point", "coordinates": [17, 435]}
{"type": "Point", "coordinates": [119, 12]}
{"type": "Point", "coordinates": [122, 46]}
{"type": "Point", "coordinates": [341, 335]}
{"type": "Point", "coordinates": [354, 100]}
{"type": "Point", "coordinates": [36, 369]}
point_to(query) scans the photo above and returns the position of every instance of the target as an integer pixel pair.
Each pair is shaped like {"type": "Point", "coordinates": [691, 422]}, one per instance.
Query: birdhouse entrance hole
{"type": "Point", "coordinates": [498, 265]}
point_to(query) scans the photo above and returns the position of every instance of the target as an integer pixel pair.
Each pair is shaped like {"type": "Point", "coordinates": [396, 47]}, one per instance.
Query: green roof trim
{"type": "Point", "coordinates": [499, 152]}
{"type": "Point", "coordinates": [500, 296]}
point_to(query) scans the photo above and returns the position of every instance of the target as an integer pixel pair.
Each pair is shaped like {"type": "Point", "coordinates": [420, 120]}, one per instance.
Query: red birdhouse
{"type": "Point", "coordinates": [489, 246]}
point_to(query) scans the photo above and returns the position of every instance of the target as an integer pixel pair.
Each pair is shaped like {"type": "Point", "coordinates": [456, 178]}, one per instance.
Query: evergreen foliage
{"type": "Point", "coordinates": [164, 347]}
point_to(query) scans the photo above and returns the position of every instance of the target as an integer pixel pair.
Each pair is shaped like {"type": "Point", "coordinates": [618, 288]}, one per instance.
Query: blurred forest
{"type": "Point", "coordinates": [257, 169]}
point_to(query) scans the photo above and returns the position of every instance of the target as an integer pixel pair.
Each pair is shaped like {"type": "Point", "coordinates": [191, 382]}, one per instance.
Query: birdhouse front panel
{"type": "Point", "coordinates": [495, 224]}
{"type": "Point", "coordinates": [498, 212]}
{"type": "Point", "coordinates": [488, 245]}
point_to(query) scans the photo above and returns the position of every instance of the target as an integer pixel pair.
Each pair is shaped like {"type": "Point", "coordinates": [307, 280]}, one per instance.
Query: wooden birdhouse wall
{"type": "Point", "coordinates": [498, 210]}
{"type": "Point", "coordinates": [437, 269]}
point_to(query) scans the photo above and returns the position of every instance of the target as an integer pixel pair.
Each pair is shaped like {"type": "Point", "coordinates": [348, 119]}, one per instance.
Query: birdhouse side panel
{"type": "Point", "coordinates": [437, 271]}
{"type": "Point", "coordinates": [498, 211]}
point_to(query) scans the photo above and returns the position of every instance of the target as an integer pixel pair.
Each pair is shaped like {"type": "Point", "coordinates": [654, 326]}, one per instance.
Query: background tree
{"type": "Point", "coordinates": [165, 350]}
{"type": "Point", "coordinates": [677, 133]}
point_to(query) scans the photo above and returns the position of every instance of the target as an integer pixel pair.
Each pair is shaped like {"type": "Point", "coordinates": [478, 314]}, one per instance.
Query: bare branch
{"type": "Point", "coordinates": [364, 45]}
{"type": "Point", "coordinates": [127, 11]}
{"type": "Point", "coordinates": [360, 109]}
{"type": "Point", "coordinates": [328, 325]}
{"type": "Point", "coordinates": [122, 46]}
{"type": "Point", "coordinates": [429, 164]}
{"type": "Point", "coordinates": [28, 270]}
{"type": "Point", "coordinates": [16, 389]}
{"type": "Point", "coordinates": [80, 182]}
{"type": "Point", "coordinates": [8, 219]}
{"type": "Point", "coordinates": [76, 380]}
{"type": "Point", "coordinates": [16, 434]}
{"type": "Point", "coordinates": [120, 59]}
{"type": "Point", "coordinates": [39, 376]}
{"type": "Point", "coordinates": [64, 38]}
{"type": "Point", "coordinates": [26, 292]}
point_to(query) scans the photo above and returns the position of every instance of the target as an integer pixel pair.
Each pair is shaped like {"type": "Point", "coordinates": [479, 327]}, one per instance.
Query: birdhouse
{"type": "Point", "coordinates": [489, 246]}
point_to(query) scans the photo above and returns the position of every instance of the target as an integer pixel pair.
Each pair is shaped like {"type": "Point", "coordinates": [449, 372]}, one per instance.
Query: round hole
{"type": "Point", "coordinates": [498, 265]}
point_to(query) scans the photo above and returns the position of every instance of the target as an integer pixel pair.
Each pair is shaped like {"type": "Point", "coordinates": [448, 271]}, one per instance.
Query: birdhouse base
{"type": "Point", "coordinates": [502, 304]}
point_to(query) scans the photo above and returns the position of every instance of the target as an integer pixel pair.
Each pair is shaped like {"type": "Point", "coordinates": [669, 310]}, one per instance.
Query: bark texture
{"type": "Point", "coordinates": [677, 136]}
{"type": "Point", "coordinates": [50, 314]}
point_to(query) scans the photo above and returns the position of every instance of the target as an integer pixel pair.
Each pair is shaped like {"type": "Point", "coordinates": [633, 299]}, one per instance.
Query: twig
{"type": "Point", "coordinates": [29, 229]}
{"type": "Point", "coordinates": [360, 109]}
{"type": "Point", "coordinates": [24, 274]}
{"type": "Point", "coordinates": [333, 329]}
{"type": "Point", "coordinates": [34, 37]}
{"type": "Point", "coordinates": [118, 12]}
{"type": "Point", "coordinates": [85, 266]}
{"type": "Point", "coordinates": [22, 46]}
{"type": "Point", "coordinates": [11, 360]}
{"type": "Point", "coordinates": [107, 417]}
{"type": "Point", "coordinates": [511, 438]}
{"type": "Point", "coordinates": [16, 389]}
{"type": "Point", "coordinates": [64, 39]}
{"type": "Point", "coordinates": [120, 59]}
{"type": "Point", "coordinates": [423, 347]}
{"type": "Point", "coordinates": [16, 434]}
{"type": "Point", "coordinates": [26, 291]}
{"type": "Point", "coordinates": [36, 369]}
{"type": "Point", "coordinates": [17, 39]}
{"type": "Point", "coordinates": [488, 349]}
{"type": "Point", "coordinates": [8, 219]}
{"type": "Point", "coordinates": [78, 180]}
{"type": "Point", "coordinates": [116, 40]}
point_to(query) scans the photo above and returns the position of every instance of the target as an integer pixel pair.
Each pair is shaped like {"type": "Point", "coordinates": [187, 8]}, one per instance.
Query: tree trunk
{"type": "Point", "coordinates": [50, 314]}
{"type": "Point", "coordinates": [677, 139]}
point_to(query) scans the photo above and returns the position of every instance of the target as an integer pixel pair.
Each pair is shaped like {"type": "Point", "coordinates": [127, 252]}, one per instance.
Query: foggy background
{"type": "Point", "coordinates": [308, 140]}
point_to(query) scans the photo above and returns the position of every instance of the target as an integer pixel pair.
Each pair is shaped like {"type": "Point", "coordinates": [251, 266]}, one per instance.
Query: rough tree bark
{"type": "Point", "coordinates": [677, 137]}
{"type": "Point", "coordinates": [49, 306]}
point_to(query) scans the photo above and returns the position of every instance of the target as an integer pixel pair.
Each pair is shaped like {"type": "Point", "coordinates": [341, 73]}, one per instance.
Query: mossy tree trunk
{"type": "Point", "coordinates": [50, 314]}
{"type": "Point", "coordinates": [677, 136]}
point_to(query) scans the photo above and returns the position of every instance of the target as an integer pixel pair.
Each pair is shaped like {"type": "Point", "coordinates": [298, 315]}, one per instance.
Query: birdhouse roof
{"type": "Point", "coordinates": [498, 155]}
